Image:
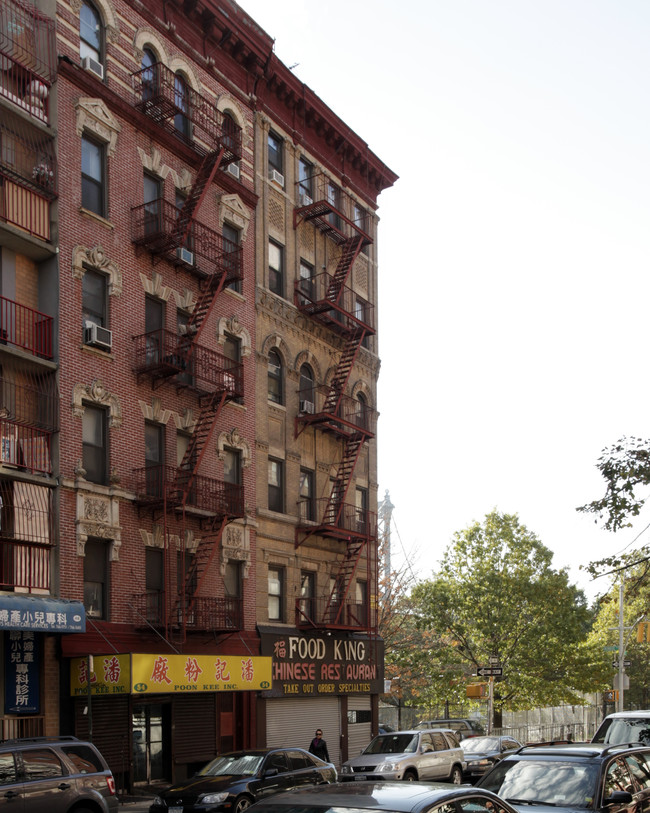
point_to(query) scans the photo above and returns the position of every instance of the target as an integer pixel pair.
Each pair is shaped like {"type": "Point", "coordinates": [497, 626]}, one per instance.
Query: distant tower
{"type": "Point", "coordinates": [385, 518]}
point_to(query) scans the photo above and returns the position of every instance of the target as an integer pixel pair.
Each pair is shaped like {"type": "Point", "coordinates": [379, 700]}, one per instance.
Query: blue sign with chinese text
{"type": "Point", "coordinates": [41, 614]}
{"type": "Point", "coordinates": [22, 695]}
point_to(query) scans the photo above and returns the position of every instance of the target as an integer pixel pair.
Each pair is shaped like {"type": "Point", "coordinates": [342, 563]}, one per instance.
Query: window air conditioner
{"type": "Point", "coordinates": [98, 336]}
{"type": "Point", "coordinates": [185, 255]}
{"type": "Point", "coordinates": [307, 407]}
{"type": "Point", "coordinates": [304, 199]}
{"type": "Point", "coordinates": [90, 64]}
{"type": "Point", "coordinates": [276, 176]}
{"type": "Point", "coordinates": [233, 169]}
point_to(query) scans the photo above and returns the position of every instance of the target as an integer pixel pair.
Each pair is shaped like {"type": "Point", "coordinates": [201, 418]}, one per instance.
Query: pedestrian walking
{"type": "Point", "coordinates": [318, 746]}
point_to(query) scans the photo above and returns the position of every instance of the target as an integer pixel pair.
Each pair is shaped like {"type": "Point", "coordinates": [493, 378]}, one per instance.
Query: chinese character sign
{"type": "Point", "coordinates": [111, 674]}
{"type": "Point", "coordinates": [21, 673]}
{"type": "Point", "coordinates": [199, 673]}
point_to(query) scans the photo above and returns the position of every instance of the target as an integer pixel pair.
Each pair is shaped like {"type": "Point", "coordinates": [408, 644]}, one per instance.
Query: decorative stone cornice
{"type": "Point", "coordinates": [96, 258]}
{"type": "Point", "coordinates": [94, 116]}
{"type": "Point", "coordinates": [98, 394]}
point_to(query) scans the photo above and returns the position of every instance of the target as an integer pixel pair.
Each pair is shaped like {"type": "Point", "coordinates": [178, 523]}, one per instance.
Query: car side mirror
{"type": "Point", "coordinates": [619, 797]}
{"type": "Point", "coordinates": [270, 772]}
{"type": "Point", "coordinates": [426, 749]}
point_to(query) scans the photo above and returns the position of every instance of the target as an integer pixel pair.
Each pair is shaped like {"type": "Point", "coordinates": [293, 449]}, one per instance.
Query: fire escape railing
{"type": "Point", "coordinates": [217, 613]}
{"type": "Point", "coordinates": [336, 306]}
{"type": "Point", "coordinates": [331, 210]}
{"type": "Point", "coordinates": [165, 355]}
{"type": "Point", "coordinates": [27, 57]}
{"type": "Point", "coordinates": [351, 417]}
{"type": "Point", "coordinates": [185, 113]}
{"type": "Point", "coordinates": [338, 520]}
{"type": "Point", "coordinates": [160, 484]}
{"type": "Point", "coordinates": [204, 252]}
{"type": "Point", "coordinates": [25, 328]}
{"type": "Point", "coordinates": [344, 615]}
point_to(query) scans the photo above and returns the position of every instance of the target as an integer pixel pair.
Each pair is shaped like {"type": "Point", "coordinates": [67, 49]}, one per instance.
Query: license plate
{"type": "Point", "coordinates": [359, 778]}
{"type": "Point", "coordinates": [175, 810]}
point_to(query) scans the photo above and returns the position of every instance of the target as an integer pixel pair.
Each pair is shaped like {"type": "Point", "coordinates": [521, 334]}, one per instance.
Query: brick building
{"type": "Point", "coordinates": [189, 365]}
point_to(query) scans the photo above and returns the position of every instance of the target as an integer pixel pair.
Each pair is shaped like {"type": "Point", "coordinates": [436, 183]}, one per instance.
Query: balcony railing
{"type": "Point", "coordinates": [27, 57]}
{"type": "Point", "coordinates": [29, 398]}
{"type": "Point", "coordinates": [165, 354]}
{"type": "Point", "coordinates": [341, 520]}
{"type": "Point", "coordinates": [200, 613]}
{"type": "Point", "coordinates": [323, 612]}
{"type": "Point", "coordinates": [25, 447]}
{"type": "Point", "coordinates": [25, 328]}
{"type": "Point", "coordinates": [204, 252]}
{"type": "Point", "coordinates": [182, 111]}
{"type": "Point", "coordinates": [26, 514]}
{"type": "Point", "coordinates": [331, 209]}
{"type": "Point", "coordinates": [351, 417]}
{"type": "Point", "coordinates": [24, 565]}
{"type": "Point", "coordinates": [335, 305]}
{"type": "Point", "coordinates": [160, 485]}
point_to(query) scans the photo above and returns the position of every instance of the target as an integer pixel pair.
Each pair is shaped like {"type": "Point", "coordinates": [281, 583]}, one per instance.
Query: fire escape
{"type": "Point", "coordinates": [174, 233]}
{"type": "Point", "coordinates": [330, 300]}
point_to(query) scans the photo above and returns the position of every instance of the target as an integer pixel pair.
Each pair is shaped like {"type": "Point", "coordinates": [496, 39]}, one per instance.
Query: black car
{"type": "Point", "coordinates": [481, 753]}
{"type": "Point", "coordinates": [578, 776]}
{"type": "Point", "coordinates": [397, 797]}
{"type": "Point", "coordinates": [234, 781]}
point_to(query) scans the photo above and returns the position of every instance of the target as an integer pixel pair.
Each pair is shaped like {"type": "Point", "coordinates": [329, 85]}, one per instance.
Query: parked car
{"type": "Point", "coordinates": [623, 727]}
{"type": "Point", "coordinates": [234, 781]}
{"type": "Point", "coordinates": [463, 727]}
{"type": "Point", "coordinates": [481, 753]}
{"type": "Point", "coordinates": [397, 797]}
{"type": "Point", "coordinates": [409, 755]}
{"type": "Point", "coordinates": [615, 779]}
{"type": "Point", "coordinates": [57, 775]}
{"type": "Point", "coordinates": [386, 729]}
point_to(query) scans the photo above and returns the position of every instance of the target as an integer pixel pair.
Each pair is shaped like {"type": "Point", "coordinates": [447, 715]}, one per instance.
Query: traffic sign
{"type": "Point", "coordinates": [625, 663]}
{"type": "Point", "coordinates": [490, 671]}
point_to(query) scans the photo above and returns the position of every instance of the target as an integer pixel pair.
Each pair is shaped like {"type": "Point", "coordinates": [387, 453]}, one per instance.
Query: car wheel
{"type": "Point", "coordinates": [456, 776]}
{"type": "Point", "coordinates": [410, 776]}
{"type": "Point", "coordinates": [242, 803]}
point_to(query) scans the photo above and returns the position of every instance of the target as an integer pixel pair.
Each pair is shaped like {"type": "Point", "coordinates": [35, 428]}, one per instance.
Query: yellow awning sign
{"type": "Point", "coordinates": [109, 674]}
{"type": "Point", "coordinates": [156, 674]}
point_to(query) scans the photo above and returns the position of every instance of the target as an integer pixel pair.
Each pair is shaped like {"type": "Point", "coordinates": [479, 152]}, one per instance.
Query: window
{"type": "Point", "coordinates": [182, 102]}
{"type": "Point", "coordinates": [276, 593]}
{"type": "Point", "coordinates": [308, 594]}
{"type": "Point", "coordinates": [152, 204]}
{"type": "Point", "coordinates": [94, 298]}
{"type": "Point", "coordinates": [306, 395]}
{"type": "Point", "coordinates": [96, 578]}
{"type": "Point", "coordinates": [232, 351]}
{"type": "Point", "coordinates": [154, 458]}
{"type": "Point", "coordinates": [233, 579]}
{"type": "Point", "coordinates": [361, 596]}
{"type": "Point", "coordinates": [361, 415]}
{"type": "Point", "coordinates": [334, 200]}
{"type": "Point", "coordinates": [305, 183]}
{"type": "Point", "coordinates": [7, 769]}
{"type": "Point", "coordinates": [275, 389]}
{"type": "Point", "coordinates": [40, 763]}
{"type": "Point", "coordinates": [149, 74]}
{"type": "Point", "coordinates": [230, 141]}
{"type": "Point", "coordinates": [93, 176]}
{"type": "Point", "coordinates": [154, 584]}
{"type": "Point", "coordinates": [232, 466]}
{"type": "Point", "coordinates": [361, 512]}
{"type": "Point", "coordinates": [154, 322]}
{"type": "Point", "coordinates": [275, 146]}
{"type": "Point", "coordinates": [307, 506]}
{"type": "Point", "coordinates": [90, 33]}
{"type": "Point", "coordinates": [95, 444]}
{"type": "Point", "coordinates": [362, 222]}
{"type": "Point", "coordinates": [307, 282]}
{"type": "Point", "coordinates": [231, 238]}
{"type": "Point", "coordinates": [184, 363]}
{"type": "Point", "coordinates": [276, 268]}
{"type": "Point", "coordinates": [186, 251]}
{"type": "Point", "coordinates": [276, 486]}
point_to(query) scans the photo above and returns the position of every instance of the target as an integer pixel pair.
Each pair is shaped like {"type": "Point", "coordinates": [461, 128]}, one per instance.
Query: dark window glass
{"type": "Point", "coordinates": [275, 153]}
{"type": "Point", "coordinates": [305, 183]}
{"type": "Point", "coordinates": [84, 759]}
{"type": "Point", "coordinates": [93, 176]}
{"type": "Point", "coordinates": [94, 439]}
{"type": "Point", "coordinates": [7, 769]}
{"type": "Point", "coordinates": [154, 454]}
{"type": "Point", "coordinates": [41, 763]}
{"type": "Point", "coordinates": [148, 75]}
{"type": "Point", "coordinates": [96, 578]}
{"type": "Point", "coordinates": [231, 238]}
{"type": "Point", "coordinates": [275, 389]}
{"type": "Point", "coordinates": [306, 391]}
{"type": "Point", "coordinates": [233, 579]}
{"type": "Point", "coordinates": [232, 466]}
{"type": "Point", "coordinates": [94, 298]}
{"type": "Point", "coordinates": [276, 486]}
{"type": "Point", "coordinates": [90, 32]}
{"type": "Point", "coordinates": [298, 761]}
{"type": "Point", "coordinates": [152, 204]}
{"type": "Point", "coordinates": [182, 102]}
{"type": "Point", "coordinates": [307, 282]}
{"type": "Point", "coordinates": [154, 584]}
{"type": "Point", "coordinates": [307, 510]}
{"type": "Point", "coordinates": [307, 594]}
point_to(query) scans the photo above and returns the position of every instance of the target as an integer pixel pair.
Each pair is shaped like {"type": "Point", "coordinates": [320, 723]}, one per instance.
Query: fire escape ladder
{"type": "Point", "coordinates": [335, 505]}
{"type": "Point", "coordinates": [343, 369]}
{"type": "Point", "coordinates": [204, 178]}
{"type": "Point", "coordinates": [337, 599]}
{"type": "Point", "coordinates": [198, 443]}
{"type": "Point", "coordinates": [350, 252]}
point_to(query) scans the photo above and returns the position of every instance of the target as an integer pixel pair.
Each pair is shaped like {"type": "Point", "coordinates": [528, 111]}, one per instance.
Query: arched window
{"type": "Point", "coordinates": [362, 411]}
{"type": "Point", "coordinates": [182, 102]}
{"type": "Point", "coordinates": [91, 33]}
{"type": "Point", "coordinates": [149, 75]}
{"type": "Point", "coordinates": [275, 377]}
{"type": "Point", "coordinates": [306, 393]}
{"type": "Point", "coordinates": [229, 137]}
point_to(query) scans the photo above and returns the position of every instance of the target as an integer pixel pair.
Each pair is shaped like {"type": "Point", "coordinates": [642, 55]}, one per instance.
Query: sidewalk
{"type": "Point", "coordinates": [135, 804]}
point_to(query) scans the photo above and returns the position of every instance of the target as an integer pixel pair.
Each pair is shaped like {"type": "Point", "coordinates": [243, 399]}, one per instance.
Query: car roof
{"type": "Point", "coordinates": [624, 714]}
{"type": "Point", "coordinates": [417, 731]}
{"type": "Point", "coordinates": [399, 796]}
{"type": "Point", "coordinates": [581, 750]}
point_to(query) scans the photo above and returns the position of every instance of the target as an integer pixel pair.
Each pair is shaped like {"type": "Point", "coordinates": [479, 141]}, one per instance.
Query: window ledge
{"type": "Point", "coordinates": [96, 351]}
{"type": "Point", "coordinates": [98, 218]}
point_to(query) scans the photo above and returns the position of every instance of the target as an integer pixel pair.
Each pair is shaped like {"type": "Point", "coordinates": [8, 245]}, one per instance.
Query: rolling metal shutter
{"type": "Point", "coordinates": [291, 723]}
{"type": "Point", "coordinates": [358, 732]}
{"type": "Point", "coordinates": [195, 728]}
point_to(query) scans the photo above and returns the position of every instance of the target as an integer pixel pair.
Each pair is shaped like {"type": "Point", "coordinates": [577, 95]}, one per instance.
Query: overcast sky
{"type": "Point", "coordinates": [513, 250]}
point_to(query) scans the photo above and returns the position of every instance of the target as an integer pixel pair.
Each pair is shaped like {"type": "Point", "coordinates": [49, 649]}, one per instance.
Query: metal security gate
{"type": "Point", "coordinates": [293, 723]}
{"type": "Point", "coordinates": [359, 724]}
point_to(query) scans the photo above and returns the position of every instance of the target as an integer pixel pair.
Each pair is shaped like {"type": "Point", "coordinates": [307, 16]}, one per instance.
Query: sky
{"type": "Point", "coordinates": [513, 250]}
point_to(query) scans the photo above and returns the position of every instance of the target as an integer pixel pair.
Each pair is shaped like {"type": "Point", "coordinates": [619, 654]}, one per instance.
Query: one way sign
{"type": "Point", "coordinates": [490, 671]}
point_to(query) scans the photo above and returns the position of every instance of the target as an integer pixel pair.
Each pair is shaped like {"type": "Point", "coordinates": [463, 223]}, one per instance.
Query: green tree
{"type": "Point", "coordinates": [496, 594]}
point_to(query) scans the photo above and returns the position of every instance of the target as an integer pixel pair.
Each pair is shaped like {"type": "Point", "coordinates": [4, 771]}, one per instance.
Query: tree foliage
{"type": "Point", "coordinates": [496, 594]}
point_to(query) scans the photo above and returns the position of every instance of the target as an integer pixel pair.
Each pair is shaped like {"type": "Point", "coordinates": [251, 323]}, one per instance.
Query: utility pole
{"type": "Point", "coordinates": [620, 705]}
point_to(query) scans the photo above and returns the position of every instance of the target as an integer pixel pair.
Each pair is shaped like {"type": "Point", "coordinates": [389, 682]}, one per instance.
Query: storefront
{"type": "Point", "coordinates": [159, 717]}
{"type": "Point", "coordinates": [331, 682]}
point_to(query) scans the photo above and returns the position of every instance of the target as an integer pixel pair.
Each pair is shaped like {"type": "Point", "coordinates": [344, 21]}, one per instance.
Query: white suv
{"type": "Point", "coordinates": [624, 727]}
{"type": "Point", "coordinates": [409, 755]}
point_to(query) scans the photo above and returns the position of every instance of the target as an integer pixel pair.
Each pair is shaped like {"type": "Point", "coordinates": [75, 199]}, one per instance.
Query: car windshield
{"type": "Point", "coordinates": [393, 744]}
{"type": "Point", "coordinates": [560, 783]}
{"type": "Point", "coordinates": [623, 730]}
{"type": "Point", "coordinates": [478, 745]}
{"type": "Point", "coordinates": [233, 765]}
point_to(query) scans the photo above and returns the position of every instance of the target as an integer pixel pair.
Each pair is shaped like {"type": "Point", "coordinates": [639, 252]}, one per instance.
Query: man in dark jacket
{"type": "Point", "coordinates": [318, 747]}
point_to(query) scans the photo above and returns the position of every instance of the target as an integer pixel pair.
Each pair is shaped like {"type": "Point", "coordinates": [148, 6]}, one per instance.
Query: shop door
{"type": "Point", "coordinates": [151, 742]}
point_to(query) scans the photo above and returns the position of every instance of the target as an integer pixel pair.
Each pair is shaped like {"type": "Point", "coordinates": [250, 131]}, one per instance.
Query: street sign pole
{"type": "Point", "coordinates": [490, 705]}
